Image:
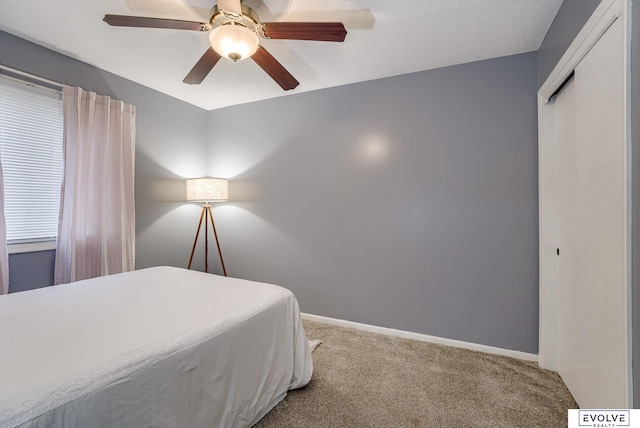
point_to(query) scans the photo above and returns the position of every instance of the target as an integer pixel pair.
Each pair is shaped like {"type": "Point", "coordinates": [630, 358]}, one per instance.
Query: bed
{"type": "Point", "coordinates": [158, 347]}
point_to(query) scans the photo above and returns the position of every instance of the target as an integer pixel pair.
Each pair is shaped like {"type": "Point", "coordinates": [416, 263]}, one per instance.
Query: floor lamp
{"type": "Point", "coordinates": [207, 190]}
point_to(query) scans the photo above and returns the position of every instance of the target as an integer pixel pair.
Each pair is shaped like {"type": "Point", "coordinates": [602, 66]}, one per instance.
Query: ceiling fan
{"type": "Point", "coordinates": [233, 32]}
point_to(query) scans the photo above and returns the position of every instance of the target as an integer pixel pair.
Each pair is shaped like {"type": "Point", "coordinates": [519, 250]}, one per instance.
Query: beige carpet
{"type": "Point", "coordinates": [368, 380]}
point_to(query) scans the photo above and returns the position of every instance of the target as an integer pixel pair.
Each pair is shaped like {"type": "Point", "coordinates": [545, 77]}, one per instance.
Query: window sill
{"type": "Point", "coordinates": [31, 247]}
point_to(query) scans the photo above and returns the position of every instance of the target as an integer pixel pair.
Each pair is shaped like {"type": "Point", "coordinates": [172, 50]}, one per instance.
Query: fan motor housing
{"type": "Point", "coordinates": [249, 18]}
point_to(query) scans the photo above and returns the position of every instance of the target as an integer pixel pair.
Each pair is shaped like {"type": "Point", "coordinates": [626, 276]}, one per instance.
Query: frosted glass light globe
{"type": "Point", "coordinates": [234, 41]}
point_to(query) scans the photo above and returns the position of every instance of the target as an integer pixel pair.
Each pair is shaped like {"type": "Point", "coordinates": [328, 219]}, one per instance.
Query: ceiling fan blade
{"type": "Point", "coordinates": [320, 31]}
{"type": "Point", "coordinates": [232, 7]}
{"type": "Point", "coordinates": [202, 68]}
{"type": "Point", "coordinates": [140, 21]}
{"type": "Point", "coordinates": [268, 63]}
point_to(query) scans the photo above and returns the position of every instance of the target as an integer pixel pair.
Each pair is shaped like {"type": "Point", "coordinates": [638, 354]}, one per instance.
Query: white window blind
{"type": "Point", "coordinates": [31, 148]}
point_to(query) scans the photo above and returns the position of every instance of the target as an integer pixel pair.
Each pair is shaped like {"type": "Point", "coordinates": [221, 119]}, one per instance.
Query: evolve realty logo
{"type": "Point", "coordinates": [604, 418]}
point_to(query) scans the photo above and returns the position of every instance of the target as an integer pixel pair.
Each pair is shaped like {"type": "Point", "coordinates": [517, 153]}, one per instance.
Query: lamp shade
{"type": "Point", "coordinates": [234, 41]}
{"type": "Point", "coordinates": [207, 189]}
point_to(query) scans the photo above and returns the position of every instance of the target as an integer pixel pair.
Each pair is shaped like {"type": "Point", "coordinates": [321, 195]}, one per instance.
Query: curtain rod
{"type": "Point", "coordinates": [32, 78]}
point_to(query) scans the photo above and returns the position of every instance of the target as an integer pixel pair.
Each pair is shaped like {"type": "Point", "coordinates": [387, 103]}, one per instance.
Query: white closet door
{"type": "Point", "coordinates": [592, 227]}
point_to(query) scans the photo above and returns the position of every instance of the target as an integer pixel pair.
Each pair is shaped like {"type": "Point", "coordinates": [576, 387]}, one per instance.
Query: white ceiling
{"type": "Point", "coordinates": [385, 38]}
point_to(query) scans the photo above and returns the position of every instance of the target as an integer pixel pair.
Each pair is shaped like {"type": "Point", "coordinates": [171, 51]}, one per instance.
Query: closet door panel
{"type": "Point", "coordinates": [592, 227]}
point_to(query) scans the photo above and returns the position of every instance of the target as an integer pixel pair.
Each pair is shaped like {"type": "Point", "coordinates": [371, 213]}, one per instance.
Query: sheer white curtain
{"type": "Point", "coordinates": [96, 233]}
{"type": "Point", "coordinates": [4, 253]}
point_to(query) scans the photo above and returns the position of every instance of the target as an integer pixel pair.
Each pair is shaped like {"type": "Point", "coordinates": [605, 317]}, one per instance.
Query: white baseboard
{"type": "Point", "coordinates": [423, 337]}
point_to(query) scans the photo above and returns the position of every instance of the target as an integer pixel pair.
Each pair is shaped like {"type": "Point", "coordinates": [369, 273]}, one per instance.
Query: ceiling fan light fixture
{"type": "Point", "coordinates": [234, 41]}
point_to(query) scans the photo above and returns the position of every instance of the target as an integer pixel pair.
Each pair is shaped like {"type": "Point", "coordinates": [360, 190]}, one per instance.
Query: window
{"type": "Point", "coordinates": [31, 148]}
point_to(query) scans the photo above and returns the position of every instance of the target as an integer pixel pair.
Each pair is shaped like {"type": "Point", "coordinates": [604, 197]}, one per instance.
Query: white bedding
{"type": "Point", "coordinates": [158, 347]}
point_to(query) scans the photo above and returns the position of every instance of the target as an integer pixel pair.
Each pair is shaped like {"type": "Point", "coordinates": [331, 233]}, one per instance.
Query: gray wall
{"type": "Point", "coordinates": [31, 270]}
{"type": "Point", "coordinates": [171, 138]}
{"type": "Point", "coordinates": [408, 202]}
{"type": "Point", "coordinates": [635, 168]}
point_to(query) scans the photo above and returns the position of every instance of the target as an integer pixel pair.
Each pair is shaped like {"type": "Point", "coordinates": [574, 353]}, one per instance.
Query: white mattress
{"type": "Point", "coordinates": [158, 347]}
